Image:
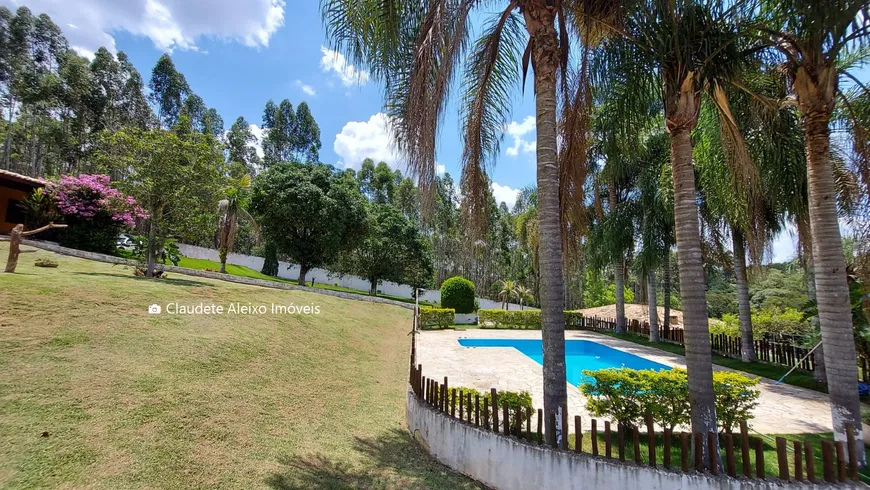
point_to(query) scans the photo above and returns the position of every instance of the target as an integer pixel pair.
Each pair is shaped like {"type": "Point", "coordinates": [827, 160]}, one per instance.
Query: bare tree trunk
{"type": "Point", "coordinates": [152, 239]}
{"type": "Point", "coordinates": [540, 23]}
{"type": "Point", "coordinates": [747, 345]}
{"type": "Point", "coordinates": [666, 290]}
{"type": "Point", "coordinates": [14, 248]}
{"type": "Point", "coordinates": [819, 373]}
{"type": "Point", "coordinates": [373, 288]}
{"type": "Point", "coordinates": [7, 145]}
{"type": "Point", "coordinates": [303, 271]}
{"type": "Point", "coordinates": [699, 362]}
{"type": "Point", "coordinates": [653, 309]}
{"type": "Point", "coordinates": [618, 270]}
{"type": "Point", "coordinates": [832, 290]}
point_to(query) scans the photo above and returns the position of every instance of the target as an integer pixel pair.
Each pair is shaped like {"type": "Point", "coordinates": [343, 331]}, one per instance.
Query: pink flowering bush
{"type": "Point", "coordinates": [95, 212]}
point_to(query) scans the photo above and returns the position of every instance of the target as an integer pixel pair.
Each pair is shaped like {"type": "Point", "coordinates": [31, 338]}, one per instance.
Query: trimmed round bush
{"type": "Point", "coordinates": [458, 293]}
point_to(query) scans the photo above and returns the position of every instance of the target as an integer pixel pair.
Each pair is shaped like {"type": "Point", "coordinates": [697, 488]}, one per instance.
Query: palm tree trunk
{"type": "Point", "coordinates": [666, 291]}
{"type": "Point", "coordinates": [653, 309]}
{"type": "Point", "coordinates": [747, 346]}
{"type": "Point", "coordinates": [819, 373]}
{"type": "Point", "coordinates": [832, 291]}
{"type": "Point", "coordinates": [540, 23]}
{"type": "Point", "coordinates": [699, 362]}
{"type": "Point", "coordinates": [618, 271]}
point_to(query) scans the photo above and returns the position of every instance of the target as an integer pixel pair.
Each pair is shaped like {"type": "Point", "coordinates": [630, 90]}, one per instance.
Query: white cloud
{"type": "Point", "coordinates": [359, 140]}
{"type": "Point", "coordinates": [257, 131]}
{"type": "Point", "coordinates": [308, 89]}
{"type": "Point", "coordinates": [519, 131]}
{"type": "Point", "coordinates": [440, 169]}
{"type": "Point", "coordinates": [505, 194]}
{"type": "Point", "coordinates": [169, 24]}
{"type": "Point", "coordinates": [336, 62]}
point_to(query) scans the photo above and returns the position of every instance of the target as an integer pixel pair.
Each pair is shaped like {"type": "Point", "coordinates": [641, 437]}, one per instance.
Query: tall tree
{"type": "Point", "coordinates": [818, 41]}
{"type": "Point", "coordinates": [306, 135]}
{"type": "Point", "coordinates": [169, 89]}
{"type": "Point", "coordinates": [230, 209]}
{"type": "Point", "coordinates": [239, 141]}
{"type": "Point", "coordinates": [310, 212]}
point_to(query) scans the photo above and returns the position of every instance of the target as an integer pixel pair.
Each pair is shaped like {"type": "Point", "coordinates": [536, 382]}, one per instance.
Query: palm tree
{"type": "Point", "coordinates": [230, 209]}
{"type": "Point", "coordinates": [818, 41]}
{"type": "Point", "coordinates": [524, 294]}
{"type": "Point", "coordinates": [414, 49]}
{"type": "Point", "coordinates": [507, 291]}
{"type": "Point", "coordinates": [676, 50]}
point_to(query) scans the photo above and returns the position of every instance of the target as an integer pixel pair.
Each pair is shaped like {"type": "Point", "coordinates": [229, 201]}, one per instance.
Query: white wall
{"type": "Point", "coordinates": [505, 463]}
{"type": "Point", "coordinates": [322, 276]}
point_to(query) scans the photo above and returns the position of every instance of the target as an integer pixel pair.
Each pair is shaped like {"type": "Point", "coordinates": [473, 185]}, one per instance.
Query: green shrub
{"type": "Point", "coordinates": [458, 293]}
{"type": "Point", "coordinates": [776, 324]}
{"type": "Point", "coordinates": [436, 317]}
{"type": "Point", "coordinates": [509, 319]}
{"type": "Point", "coordinates": [735, 398]}
{"type": "Point", "coordinates": [517, 319]}
{"type": "Point", "coordinates": [514, 399]}
{"type": "Point", "coordinates": [627, 394]}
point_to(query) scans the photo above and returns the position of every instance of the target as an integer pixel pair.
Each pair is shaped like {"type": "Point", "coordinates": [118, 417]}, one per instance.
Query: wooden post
{"type": "Point", "coordinates": [651, 440]}
{"type": "Point", "coordinates": [853, 455]}
{"type": "Point", "coordinates": [469, 408]}
{"type": "Point", "coordinates": [607, 447]}
{"type": "Point", "coordinates": [782, 458]}
{"type": "Point", "coordinates": [712, 453]}
{"type": "Point", "coordinates": [759, 458]}
{"type": "Point", "coordinates": [476, 410]}
{"type": "Point", "coordinates": [453, 403]}
{"type": "Point", "coordinates": [699, 451]}
{"type": "Point", "coordinates": [840, 449]}
{"type": "Point", "coordinates": [446, 393]}
{"type": "Point", "coordinates": [578, 435]}
{"type": "Point", "coordinates": [731, 466]}
{"type": "Point", "coordinates": [828, 461]}
{"type": "Point", "coordinates": [798, 463]}
{"type": "Point", "coordinates": [494, 396]}
{"type": "Point", "coordinates": [635, 439]}
{"type": "Point", "coordinates": [486, 414]}
{"type": "Point", "coordinates": [594, 437]}
{"type": "Point", "coordinates": [744, 450]}
{"type": "Point", "coordinates": [540, 428]}
{"type": "Point", "coordinates": [684, 451]}
{"type": "Point", "coordinates": [529, 423]}
{"type": "Point", "coordinates": [620, 437]}
{"type": "Point", "coordinates": [507, 419]}
{"type": "Point", "coordinates": [564, 444]}
{"type": "Point", "coordinates": [461, 406]}
{"type": "Point", "coordinates": [667, 449]}
{"type": "Point", "coordinates": [810, 458]}
{"type": "Point", "coordinates": [518, 422]}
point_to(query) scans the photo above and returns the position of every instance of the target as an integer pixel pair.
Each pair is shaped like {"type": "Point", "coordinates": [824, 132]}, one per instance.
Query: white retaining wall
{"type": "Point", "coordinates": [505, 463]}
{"type": "Point", "coordinates": [321, 276]}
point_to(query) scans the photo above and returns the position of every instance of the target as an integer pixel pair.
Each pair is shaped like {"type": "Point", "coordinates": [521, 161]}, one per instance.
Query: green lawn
{"type": "Point", "coordinates": [97, 393]}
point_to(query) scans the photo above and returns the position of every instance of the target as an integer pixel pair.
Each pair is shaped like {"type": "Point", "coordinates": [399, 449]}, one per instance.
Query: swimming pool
{"type": "Point", "coordinates": [579, 355]}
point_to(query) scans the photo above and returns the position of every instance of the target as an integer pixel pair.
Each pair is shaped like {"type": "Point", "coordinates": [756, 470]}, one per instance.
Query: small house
{"type": "Point", "coordinates": [14, 188]}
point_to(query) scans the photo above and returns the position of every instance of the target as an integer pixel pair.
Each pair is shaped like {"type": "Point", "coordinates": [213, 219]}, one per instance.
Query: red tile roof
{"type": "Point", "coordinates": [23, 179]}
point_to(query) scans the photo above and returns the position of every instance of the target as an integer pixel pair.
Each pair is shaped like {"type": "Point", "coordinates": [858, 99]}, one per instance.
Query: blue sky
{"type": "Point", "coordinates": [237, 55]}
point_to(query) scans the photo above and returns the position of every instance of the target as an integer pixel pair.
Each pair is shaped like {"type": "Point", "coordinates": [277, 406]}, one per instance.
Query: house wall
{"type": "Point", "coordinates": [7, 193]}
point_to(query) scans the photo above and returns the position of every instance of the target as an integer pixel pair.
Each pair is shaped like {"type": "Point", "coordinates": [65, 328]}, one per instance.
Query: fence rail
{"type": "Point", "coordinates": [735, 454]}
{"type": "Point", "coordinates": [781, 353]}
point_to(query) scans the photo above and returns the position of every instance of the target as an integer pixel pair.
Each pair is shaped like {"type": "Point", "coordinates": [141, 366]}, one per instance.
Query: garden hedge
{"type": "Point", "coordinates": [436, 317]}
{"type": "Point", "coordinates": [627, 394]}
{"type": "Point", "coordinates": [516, 319]}
{"type": "Point", "coordinates": [458, 293]}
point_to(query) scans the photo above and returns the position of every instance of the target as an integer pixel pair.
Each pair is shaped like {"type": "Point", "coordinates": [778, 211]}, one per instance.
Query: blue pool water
{"type": "Point", "coordinates": [579, 355]}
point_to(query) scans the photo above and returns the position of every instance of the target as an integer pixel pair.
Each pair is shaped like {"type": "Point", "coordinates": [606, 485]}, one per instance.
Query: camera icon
{"type": "Point", "coordinates": [154, 309]}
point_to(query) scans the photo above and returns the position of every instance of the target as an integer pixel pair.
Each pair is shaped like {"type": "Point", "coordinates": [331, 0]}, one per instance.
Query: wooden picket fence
{"type": "Point", "coordinates": [781, 353]}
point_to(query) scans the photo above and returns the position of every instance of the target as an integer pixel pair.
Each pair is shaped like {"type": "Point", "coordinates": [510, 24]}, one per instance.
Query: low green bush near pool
{"type": "Point", "coordinates": [627, 394]}
{"type": "Point", "coordinates": [517, 319]}
{"type": "Point", "coordinates": [436, 317]}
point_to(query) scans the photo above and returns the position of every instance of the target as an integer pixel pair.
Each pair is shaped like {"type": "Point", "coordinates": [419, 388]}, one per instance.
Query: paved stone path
{"type": "Point", "coordinates": [782, 409]}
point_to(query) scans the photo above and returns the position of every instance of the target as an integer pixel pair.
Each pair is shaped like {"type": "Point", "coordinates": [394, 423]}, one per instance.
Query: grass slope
{"type": "Point", "coordinates": [96, 393]}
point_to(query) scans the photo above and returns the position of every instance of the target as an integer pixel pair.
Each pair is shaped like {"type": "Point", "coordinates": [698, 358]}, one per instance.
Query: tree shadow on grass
{"type": "Point", "coordinates": [391, 460]}
{"type": "Point", "coordinates": [166, 280]}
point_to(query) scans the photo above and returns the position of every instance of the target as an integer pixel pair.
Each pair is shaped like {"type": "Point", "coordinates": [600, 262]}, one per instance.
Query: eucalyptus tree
{"type": "Point", "coordinates": [818, 41]}
{"type": "Point", "coordinates": [415, 49]}
{"type": "Point", "coordinates": [169, 89]}
{"type": "Point", "coordinates": [675, 50]}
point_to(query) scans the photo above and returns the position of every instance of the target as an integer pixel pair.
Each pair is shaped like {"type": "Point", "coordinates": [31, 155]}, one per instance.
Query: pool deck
{"type": "Point", "coordinates": [782, 409]}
